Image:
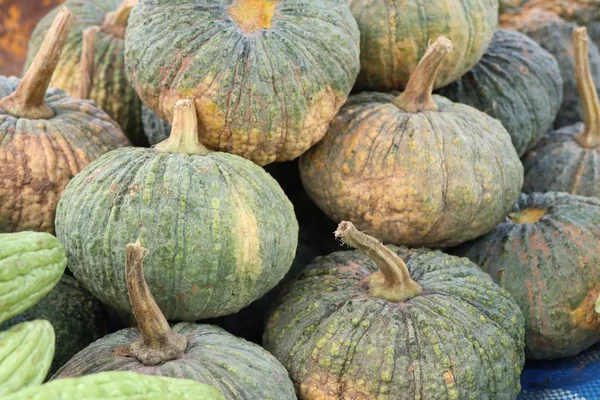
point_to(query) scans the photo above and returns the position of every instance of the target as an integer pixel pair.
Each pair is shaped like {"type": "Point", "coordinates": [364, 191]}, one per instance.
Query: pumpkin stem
{"type": "Point", "coordinates": [158, 343]}
{"type": "Point", "coordinates": [115, 22]}
{"type": "Point", "coordinates": [184, 131]}
{"type": "Point", "coordinates": [28, 100]}
{"type": "Point", "coordinates": [252, 15]}
{"type": "Point", "coordinates": [418, 95]}
{"type": "Point", "coordinates": [87, 61]}
{"type": "Point", "coordinates": [393, 281]}
{"type": "Point", "coordinates": [590, 137]}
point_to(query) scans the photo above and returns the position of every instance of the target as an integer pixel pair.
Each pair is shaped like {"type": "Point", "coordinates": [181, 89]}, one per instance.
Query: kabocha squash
{"type": "Point", "coordinates": [357, 326]}
{"type": "Point", "coordinates": [119, 385]}
{"type": "Point", "coordinates": [415, 169]}
{"type": "Point", "coordinates": [547, 255]}
{"type": "Point", "coordinates": [516, 82]}
{"type": "Point", "coordinates": [568, 160]}
{"type": "Point", "coordinates": [396, 34]}
{"type": "Point", "coordinates": [92, 64]}
{"type": "Point", "coordinates": [221, 230]}
{"type": "Point", "coordinates": [26, 352]}
{"type": "Point", "coordinates": [556, 36]}
{"type": "Point", "coordinates": [77, 317]}
{"type": "Point", "coordinates": [205, 353]}
{"type": "Point", "coordinates": [156, 129]}
{"type": "Point", "coordinates": [267, 76]}
{"type": "Point", "coordinates": [46, 137]}
{"type": "Point", "coordinates": [31, 264]}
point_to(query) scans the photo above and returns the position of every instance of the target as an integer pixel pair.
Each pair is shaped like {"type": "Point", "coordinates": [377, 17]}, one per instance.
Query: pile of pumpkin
{"type": "Point", "coordinates": [492, 183]}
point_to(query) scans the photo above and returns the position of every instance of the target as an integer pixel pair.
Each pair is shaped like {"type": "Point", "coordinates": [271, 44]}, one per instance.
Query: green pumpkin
{"type": "Point", "coordinates": [119, 385]}
{"type": "Point", "coordinates": [415, 169]}
{"type": "Point", "coordinates": [221, 230]}
{"type": "Point", "coordinates": [77, 317]}
{"type": "Point", "coordinates": [108, 85]}
{"type": "Point", "coordinates": [398, 324]}
{"type": "Point", "coordinates": [267, 76]}
{"type": "Point", "coordinates": [205, 353]}
{"type": "Point", "coordinates": [516, 82]}
{"type": "Point", "coordinates": [395, 35]}
{"type": "Point", "coordinates": [568, 159]}
{"type": "Point", "coordinates": [547, 255]}
{"type": "Point", "coordinates": [156, 129]}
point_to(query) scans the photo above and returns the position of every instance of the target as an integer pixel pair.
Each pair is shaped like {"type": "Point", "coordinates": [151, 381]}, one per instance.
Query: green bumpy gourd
{"type": "Point", "coordinates": [31, 264]}
{"type": "Point", "coordinates": [119, 385]}
{"type": "Point", "coordinates": [26, 352]}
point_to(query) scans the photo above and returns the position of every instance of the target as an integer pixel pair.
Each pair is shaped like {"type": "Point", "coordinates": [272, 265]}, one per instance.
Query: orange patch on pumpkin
{"type": "Point", "coordinates": [253, 15]}
{"type": "Point", "coordinates": [585, 316]}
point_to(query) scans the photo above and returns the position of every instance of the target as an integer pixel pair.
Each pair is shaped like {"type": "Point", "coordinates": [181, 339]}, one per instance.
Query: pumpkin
{"type": "Point", "coordinates": [516, 82]}
{"type": "Point", "coordinates": [267, 76]}
{"type": "Point", "coordinates": [568, 160]}
{"type": "Point", "coordinates": [46, 137]}
{"type": "Point", "coordinates": [204, 353]}
{"type": "Point", "coordinates": [26, 352]}
{"type": "Point", "coordinates": [102, 78]}
{"type": "Point", "coordinates": [31, 264]}
{"type": "Point", "coordinates": [395, 35]}
{"type": "Point", "coordinates": [221, 230]}
{"type": "Point", "coordinates": [396, 323]}
{"type": "Point", "coordinates": [547, 255]}
{"type": "Point", "coordinates": [77, 317]}
{"type": "Point", "coordinates": [156, 129]}
{"type": "Point", "coordinates": [556, 36]}
{"type": "Point", "coordinates": [119, 385]}
{"type": "Point", "coordinates": [414, 169]}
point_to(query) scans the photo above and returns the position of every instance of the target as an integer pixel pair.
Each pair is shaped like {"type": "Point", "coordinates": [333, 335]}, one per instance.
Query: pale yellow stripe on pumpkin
{"type": "Point", "coordinates": [247, 236]}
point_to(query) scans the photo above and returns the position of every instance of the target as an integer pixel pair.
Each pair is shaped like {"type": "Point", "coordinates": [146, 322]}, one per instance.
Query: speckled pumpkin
{"type": "Point", "coordinates": [108, 85]}
{"type": "Point", "coordinates": [267, 76]}
{"type": "Point", "coordinates": [205, 353]}
{"type": "Point", "coordinates": [516, 82]}
{"type": "Point", "coordinates": [556, 36]}
{"type": "Point", "coordinates": [156, 129]}
{"type": "Point", "coordinates": [415, 169]}
{"type": "Point", "coordinates": [46, 137]}
{"type": "Point", "coordinates": [547, 255]}
{"type": "Point", "coordinates": [568, 160]}
{"type": "Point", "coordinates": [221, 230]}
{"type": "Point", "coordinates": [395, 34]}
{"type": "Point", "coordinates": [400, 325]}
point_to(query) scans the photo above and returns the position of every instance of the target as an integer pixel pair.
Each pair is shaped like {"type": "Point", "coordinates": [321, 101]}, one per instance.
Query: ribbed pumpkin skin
{"type": "Point", "coordinates": [555, 35]}
{"type": "Point", "coordinates": [560, 164]}
{"type": "Point", "coordinates": [516, 82]}
{"type": "Point", "coordinates": [39, 157]}
{"type": "Point", "coordinates": [462, 338]}
{"type": "Point", "coordinates": [396, 34]}
{"type": "Point", "coordinates": [111, 91]}
{"type": "Point", "coordinates": [267, 96]}
{"type": "Point", "coordinates": [77, 317]}
{"type": "Point", "coordinates": [220, 229]}
{"type": "Point", "coordinates": [433, 178]}
{"type": "Point", "coordinates": [156, 129]}
{"type": "Point", "coordinates": [552, 270]}
{"type": "Point", "coordinates": [240, 370]}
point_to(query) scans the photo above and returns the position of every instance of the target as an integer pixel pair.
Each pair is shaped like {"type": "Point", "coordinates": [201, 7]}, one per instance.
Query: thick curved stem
{"type": "Point", "coordinates": [184, 131]}
{"type": "Point", "coordinates": [88, 53]}
{"type": "Point", "coordinates": [159, 343]}
{"type": "Point", "coordinates": [28, 100]}
{"type": "Point", "coordinates": [116, 22]}
{"type": "Point", "coordinates": [393, 282]}
{"type": "Point", "coordinates": [590, 137]}
{"type": "Point", "coordinates": [418, 95]}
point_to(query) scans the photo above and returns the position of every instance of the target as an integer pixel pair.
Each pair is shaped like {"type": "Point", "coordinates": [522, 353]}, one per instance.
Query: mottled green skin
{"type": "Point", "coordinates": [120, 385]}
{"type": "Point", "coordinates": [156, 129]}
{"type": "Point", "coordinates": [78, 319]}
{"type": "Point", "coordinates": [31, 264]}
{"type": "Point", "coordinates": [432, 178]}
{"type": "Point", "coordinates": [25, 355]}
{"type": "Point", "coordinates": [549, 267]}
{"type": "Point", "coordinates": [220, 231]}
{"type": "Point", "coordinates": [111, 90]}
{"type": "Point", "coordinates": [560, 164]}
{"type": "Point", "coordinates": [517, 82]}
{"type": "Point", "coordinates": [462, 338]}
{"type": "Point", "coordinates": [395, 35]}
{"type": "Point", "coordinates": [268, 95]}
{"type": "Point", "coordinates": [239, 369]}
